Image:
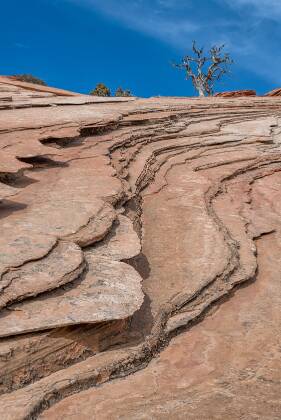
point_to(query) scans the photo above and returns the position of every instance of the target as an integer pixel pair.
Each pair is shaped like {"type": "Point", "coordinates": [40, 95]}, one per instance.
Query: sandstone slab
{"type": "Point", "coordinates": [64, 263]}
{"type": "Point", "coordinates": [110, 290]}
{"type": "Point", "coordinates": [123, 242]}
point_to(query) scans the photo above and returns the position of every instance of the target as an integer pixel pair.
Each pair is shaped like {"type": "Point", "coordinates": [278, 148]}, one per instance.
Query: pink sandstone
{"type": "Point", "coordinates": [139, 256]}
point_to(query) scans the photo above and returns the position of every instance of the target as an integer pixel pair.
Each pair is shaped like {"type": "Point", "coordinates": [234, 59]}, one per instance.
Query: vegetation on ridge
{"type": "Point", "coordinates": [121, 92]}
{"type": "Point", "coordinates": [102, 90]}
{"type": "Point", "coordinates": [29, 78]}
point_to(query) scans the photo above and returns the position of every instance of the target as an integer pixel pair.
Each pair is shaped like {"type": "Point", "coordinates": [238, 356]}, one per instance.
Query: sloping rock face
{"type": "Point", "coordinates": [275, 92]}
{"type": "Point", "coordinates": [13, 84]}
{"type": "Point", "coordinates": [140, 239]}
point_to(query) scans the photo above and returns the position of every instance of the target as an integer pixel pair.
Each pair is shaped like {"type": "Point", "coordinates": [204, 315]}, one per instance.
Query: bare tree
{"type": "Point", "coordinates": [205, 70]}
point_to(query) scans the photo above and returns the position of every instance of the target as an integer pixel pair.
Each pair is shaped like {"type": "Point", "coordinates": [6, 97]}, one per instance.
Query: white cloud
{"type": "Point", "coordinates": [147, 17]}
{"type": "Point", "coordinates": [237, 23]}
{"type": "Point", "coordinates": [263, 8]}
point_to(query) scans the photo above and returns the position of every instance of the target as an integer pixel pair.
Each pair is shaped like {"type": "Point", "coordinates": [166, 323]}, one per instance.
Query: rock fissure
{"type": "Point", "coordinates": [171, 193]}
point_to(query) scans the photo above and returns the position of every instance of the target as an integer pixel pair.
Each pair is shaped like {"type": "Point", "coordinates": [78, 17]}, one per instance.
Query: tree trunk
{"type": "Point", "coordinates": [199, 86]}
{"type": "Point", "coordinates": [201, 91]}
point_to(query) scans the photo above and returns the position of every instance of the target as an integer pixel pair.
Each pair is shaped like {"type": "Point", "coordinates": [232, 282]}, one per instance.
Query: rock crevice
{"type": "Point", "coordinates": [177, 190]}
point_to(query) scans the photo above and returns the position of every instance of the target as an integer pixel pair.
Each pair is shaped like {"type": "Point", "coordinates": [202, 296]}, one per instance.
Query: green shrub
{"type": "Point", "coordinates": [121, 92]}
{"type": "Point", "coordinates": [100, 90]}
{"type": "Point", "coordinates": [30, 79]}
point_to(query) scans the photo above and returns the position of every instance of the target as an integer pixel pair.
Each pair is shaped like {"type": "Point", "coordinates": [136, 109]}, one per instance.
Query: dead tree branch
{"type": "Point", "coordinates": [205, 70]}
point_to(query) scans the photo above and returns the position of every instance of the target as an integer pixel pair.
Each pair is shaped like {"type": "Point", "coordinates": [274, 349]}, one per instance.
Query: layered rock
{"type": "Point", "coordinates": [125, 223]}
{"type": "Point", "coordinates": [236, 93]}
{"type": "Point", "coordinates": [274, 92]}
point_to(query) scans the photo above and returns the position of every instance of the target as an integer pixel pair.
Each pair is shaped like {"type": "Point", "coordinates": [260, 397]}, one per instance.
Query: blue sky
{"type": "Point", "coordinates": [75, 44]}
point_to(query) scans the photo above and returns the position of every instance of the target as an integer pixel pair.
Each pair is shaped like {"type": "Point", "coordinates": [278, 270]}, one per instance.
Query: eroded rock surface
{"type": "Point", "coordinates": [236, 93]}
{"type": "Point", "coordinates": [274, 92]}
{"type": "Point", "coordinates": [125, 223]}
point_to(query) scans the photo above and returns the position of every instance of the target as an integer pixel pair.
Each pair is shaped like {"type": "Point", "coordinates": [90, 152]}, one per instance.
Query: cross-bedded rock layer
{"type": "Point", "coordinates": [123, 223]}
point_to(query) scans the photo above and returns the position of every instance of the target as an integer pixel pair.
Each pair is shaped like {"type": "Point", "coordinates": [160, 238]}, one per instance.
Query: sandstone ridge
{"type": "Point", "coordinates": [128, 228]}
